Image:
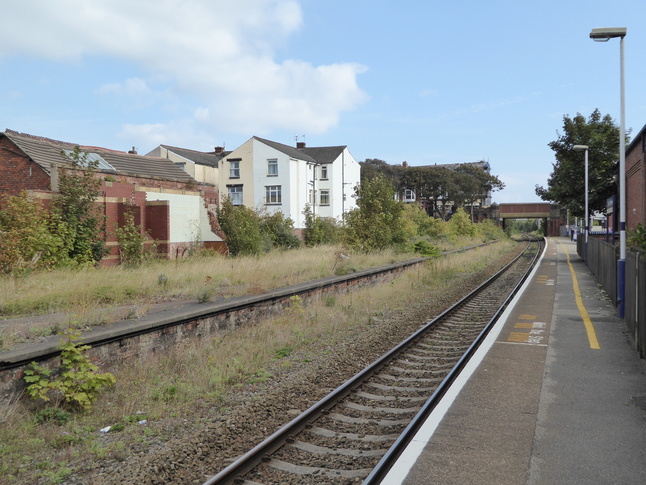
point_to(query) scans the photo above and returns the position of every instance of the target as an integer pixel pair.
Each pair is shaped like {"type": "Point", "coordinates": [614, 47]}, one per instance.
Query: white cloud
{"type": "Point", "coordinates": [130, 87]}
{"type": "Point", "coordinates": [219, 52]}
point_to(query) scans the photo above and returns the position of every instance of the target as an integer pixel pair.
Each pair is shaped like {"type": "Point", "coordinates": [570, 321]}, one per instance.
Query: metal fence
{"type": "Point", "coordinates": [602, 262]}
{"type": "Point", "coordinates": [635, 308]}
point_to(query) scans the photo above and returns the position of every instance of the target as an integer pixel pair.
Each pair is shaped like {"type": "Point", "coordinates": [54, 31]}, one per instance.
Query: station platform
{"type": "Point", "coordinates": [555, 395]}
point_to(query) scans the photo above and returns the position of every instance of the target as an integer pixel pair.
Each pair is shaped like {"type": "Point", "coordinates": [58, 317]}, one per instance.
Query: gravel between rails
{"type": "Point", "coordinates": [204, 442]}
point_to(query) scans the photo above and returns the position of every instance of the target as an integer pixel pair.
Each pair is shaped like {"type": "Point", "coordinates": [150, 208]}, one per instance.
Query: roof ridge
{"type": "Point", "coordinates": [188, 149]}
{"type": "Point", "coordinates": [40, 138]}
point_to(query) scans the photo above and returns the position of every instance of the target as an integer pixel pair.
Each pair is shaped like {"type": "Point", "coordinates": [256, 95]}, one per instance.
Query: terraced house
{"type": "Point", "coordinates": [269, 175]}
{"type": "Point", "coordinates": [174, 211]}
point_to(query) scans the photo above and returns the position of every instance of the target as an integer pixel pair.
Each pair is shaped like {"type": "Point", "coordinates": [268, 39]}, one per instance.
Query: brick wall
{"type": "Point", "coordinates": [17, 172]}
{"type": "Point", "coordinates": [636, 185]}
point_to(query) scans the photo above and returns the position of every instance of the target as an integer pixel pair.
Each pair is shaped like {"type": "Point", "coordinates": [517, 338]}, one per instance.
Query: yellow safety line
{"type": "Point", "coordinates": [589, 328]}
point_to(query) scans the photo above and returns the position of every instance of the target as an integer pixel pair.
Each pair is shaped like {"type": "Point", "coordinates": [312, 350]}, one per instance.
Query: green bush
{"type": "Point", "coordinates": [461, 225]}
{"type": "Point", "coordinates": [637, 238]}
{"type": "Point", "coordinates": [377, 222]}
{"type": "Point", "coordinates": [27, 240]}
{"type": "Point", "coordinates": [241, 226]}
{"type": "Point", "coordinates": [427, 249]}
{"type": "Point", "coordinates": [319, 230]}
{"type": "Point", "coordinates": [131, 241]}
{"type": "Point", "coordinates": [279, 231]}
{"type": "Point", "coordinates": [489, 230]}
{"type": "Point", "coordinates": [78, 384]}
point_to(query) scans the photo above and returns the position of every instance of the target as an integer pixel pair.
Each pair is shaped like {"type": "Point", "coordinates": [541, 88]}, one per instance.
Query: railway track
{"type": "Point", "coordinates": [356, 433]}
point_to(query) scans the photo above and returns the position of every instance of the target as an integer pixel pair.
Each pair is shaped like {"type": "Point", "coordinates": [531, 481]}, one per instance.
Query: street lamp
{"type": "Point", "coordinates": [604, 35]}
{"type": "Point", "coordinates": [580, 148]}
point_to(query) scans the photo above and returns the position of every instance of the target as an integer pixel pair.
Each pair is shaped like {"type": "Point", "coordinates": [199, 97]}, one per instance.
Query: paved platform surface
{"type": "Point", "coordinates": [557, 396]}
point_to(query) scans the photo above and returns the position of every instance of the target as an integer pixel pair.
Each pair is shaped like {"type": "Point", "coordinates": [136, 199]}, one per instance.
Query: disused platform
{"type": "Point", "coordinates": [556, 395]}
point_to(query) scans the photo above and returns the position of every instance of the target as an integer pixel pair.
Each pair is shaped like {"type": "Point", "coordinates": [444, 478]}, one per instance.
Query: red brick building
{"type": "Point", "coordinates": [174, 211]}
{"type": "Point", "coordinates": [636, 182]}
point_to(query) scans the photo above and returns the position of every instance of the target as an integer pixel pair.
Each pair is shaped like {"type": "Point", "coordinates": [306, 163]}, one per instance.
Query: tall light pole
{"type": "Point", "coordinates": [604, 35]}
{"type": "Point", "coordinates": [579, 148]}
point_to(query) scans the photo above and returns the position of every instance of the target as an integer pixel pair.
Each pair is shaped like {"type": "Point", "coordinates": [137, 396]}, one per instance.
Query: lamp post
{"type": "Point", "coordinates": [604, 35]}
{"type": "Point", "coordinates": [579, 148]}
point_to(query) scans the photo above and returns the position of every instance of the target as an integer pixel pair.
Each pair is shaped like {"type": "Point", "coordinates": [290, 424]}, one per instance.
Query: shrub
{"type": "Point", "coordinates": [489, 230]}
{"type": "Point", "coordinates": [79, 382]}
{"type": "Point", "coordinates": [241, 226]}
{"type": "Point", "coordinates": [76, 208]}
{"type": "Point", "coordinates": [131, 241]}
{"type": "Point", "coordinates": [26, 238]}
{"type": "Point", "coordinates": [637, 238]}
{"type": "Point", "coordinates": [319, 230]}
{"type": "Point", "coordinates": [426, 249]}
{"type": "Point", "coordinates": [461, 225]}
{"type": "Point", "coordinates": [279, 231]}
{"type": "Point", "coordinates": [377, 222]}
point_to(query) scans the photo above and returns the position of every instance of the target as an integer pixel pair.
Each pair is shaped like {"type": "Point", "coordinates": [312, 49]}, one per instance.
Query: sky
{"type": "Point", "coordinates": [422, 81]}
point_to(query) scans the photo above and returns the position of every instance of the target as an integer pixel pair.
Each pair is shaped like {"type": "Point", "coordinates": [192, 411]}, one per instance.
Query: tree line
{"type": "Point", "coordinates": [442, 189]}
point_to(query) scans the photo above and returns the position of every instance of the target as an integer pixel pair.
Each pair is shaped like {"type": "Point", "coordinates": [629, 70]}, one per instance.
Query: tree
{"type": "Point", "coordinates": [566, 184]}
{"type": "Point", "coordinates": [241, 225]}
{"type": "Point", "coordinates": [377, 222]}
{"type": "Point", "coordinates": [28, 238]}
{"type": "Point", "coordinates": [473, 184]}
{"type": "Point", "coordinates": [76, 208]}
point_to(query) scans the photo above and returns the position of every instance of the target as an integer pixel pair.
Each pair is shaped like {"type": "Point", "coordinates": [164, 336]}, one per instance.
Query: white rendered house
{"type": "Point", "coordinates": [265, 174]}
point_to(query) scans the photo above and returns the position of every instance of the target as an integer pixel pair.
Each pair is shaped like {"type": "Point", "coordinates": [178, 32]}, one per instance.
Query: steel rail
{"type": "Point", "coordinates": [253, 457]}
{"type": "Point", "coordinates": [394, 452]}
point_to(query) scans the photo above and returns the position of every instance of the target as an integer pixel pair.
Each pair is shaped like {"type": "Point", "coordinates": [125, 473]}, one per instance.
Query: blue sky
{"type": "Point", "coordinates": [421, 81]}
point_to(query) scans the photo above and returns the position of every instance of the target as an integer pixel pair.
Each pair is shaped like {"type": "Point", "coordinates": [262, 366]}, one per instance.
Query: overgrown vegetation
{"type": "Point", "coordinates": [131, 241]}
{"type": "Point", "coordinates": [76, 209]}
{"type": "Point", "coordinates": [71, 234]}
{"type": "Point", "coordinates": [251, 232]}
{"type": "Point", "coordinates": [191, 383]}
{"type": "Point", "coordinates": [637, 238]}
{"type": "Point", "coordinates": [79, 382]}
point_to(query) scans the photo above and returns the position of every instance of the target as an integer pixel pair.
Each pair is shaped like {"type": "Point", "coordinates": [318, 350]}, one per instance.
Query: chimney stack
{"type": "Point", "coordinates": [300, 144]}
{"type": "Point", "coordinates": [133, 151]}
{"type": "Point", "coordinates": [218, 150]}
{"type": "Point", "coordinates": [405, 164]}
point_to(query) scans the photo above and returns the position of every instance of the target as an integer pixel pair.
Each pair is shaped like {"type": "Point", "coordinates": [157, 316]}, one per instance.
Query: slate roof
{"type": "Point", "coordinates": [313, 155]}
{"type": "Point", "coordinates": [200, 158]}
{"type": "Point", "coordinates": [45, 151]}
{"type": "Point", "coordinates": [324, 154]}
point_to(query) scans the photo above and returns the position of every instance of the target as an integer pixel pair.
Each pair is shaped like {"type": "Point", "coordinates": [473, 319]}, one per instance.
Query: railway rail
{"type": "Point", "coordinates": [356, 433]}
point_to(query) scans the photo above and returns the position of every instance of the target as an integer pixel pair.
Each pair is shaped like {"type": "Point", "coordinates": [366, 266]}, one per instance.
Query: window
{"type": "Point", "coordinates": [323, 172]}
{"type": "Point", "coordinates": [325, 197]}
{"type": "Point", "coordinates": [409, 194]}
{"type": "Point", "coordinates": [235, 194]}
{"type": "Point", "coordinates": [234, 169]}
{"type": "Point", "coordinates": [272, 167]}
{"type": "Point", "coordinates": [272, 194]}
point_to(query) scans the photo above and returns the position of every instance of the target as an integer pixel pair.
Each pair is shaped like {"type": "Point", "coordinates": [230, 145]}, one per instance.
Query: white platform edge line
{"type": "Point", "coordinates": [402, 467]}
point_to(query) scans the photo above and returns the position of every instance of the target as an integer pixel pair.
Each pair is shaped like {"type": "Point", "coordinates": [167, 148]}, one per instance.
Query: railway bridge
{"type": "Point", "coordinates": [553, 215]}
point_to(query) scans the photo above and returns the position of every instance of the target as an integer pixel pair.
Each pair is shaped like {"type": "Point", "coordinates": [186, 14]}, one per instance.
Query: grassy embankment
{"type": "Point", "coordinates": [194, 380]}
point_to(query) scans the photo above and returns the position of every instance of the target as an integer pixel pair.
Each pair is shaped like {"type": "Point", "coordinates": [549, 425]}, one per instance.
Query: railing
{"type": "Point", "coordinates": [602, 262]}
{"type": "Point", "coordinates": [635, 308]}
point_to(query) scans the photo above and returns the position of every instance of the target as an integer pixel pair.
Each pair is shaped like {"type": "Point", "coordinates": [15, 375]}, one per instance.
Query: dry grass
{"type": "Point", "coordinates": [89, 297]}
{"type": "Point", "coordinates": [81, 290]}
{"type": "Point", "coordinates": [198, 375]}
